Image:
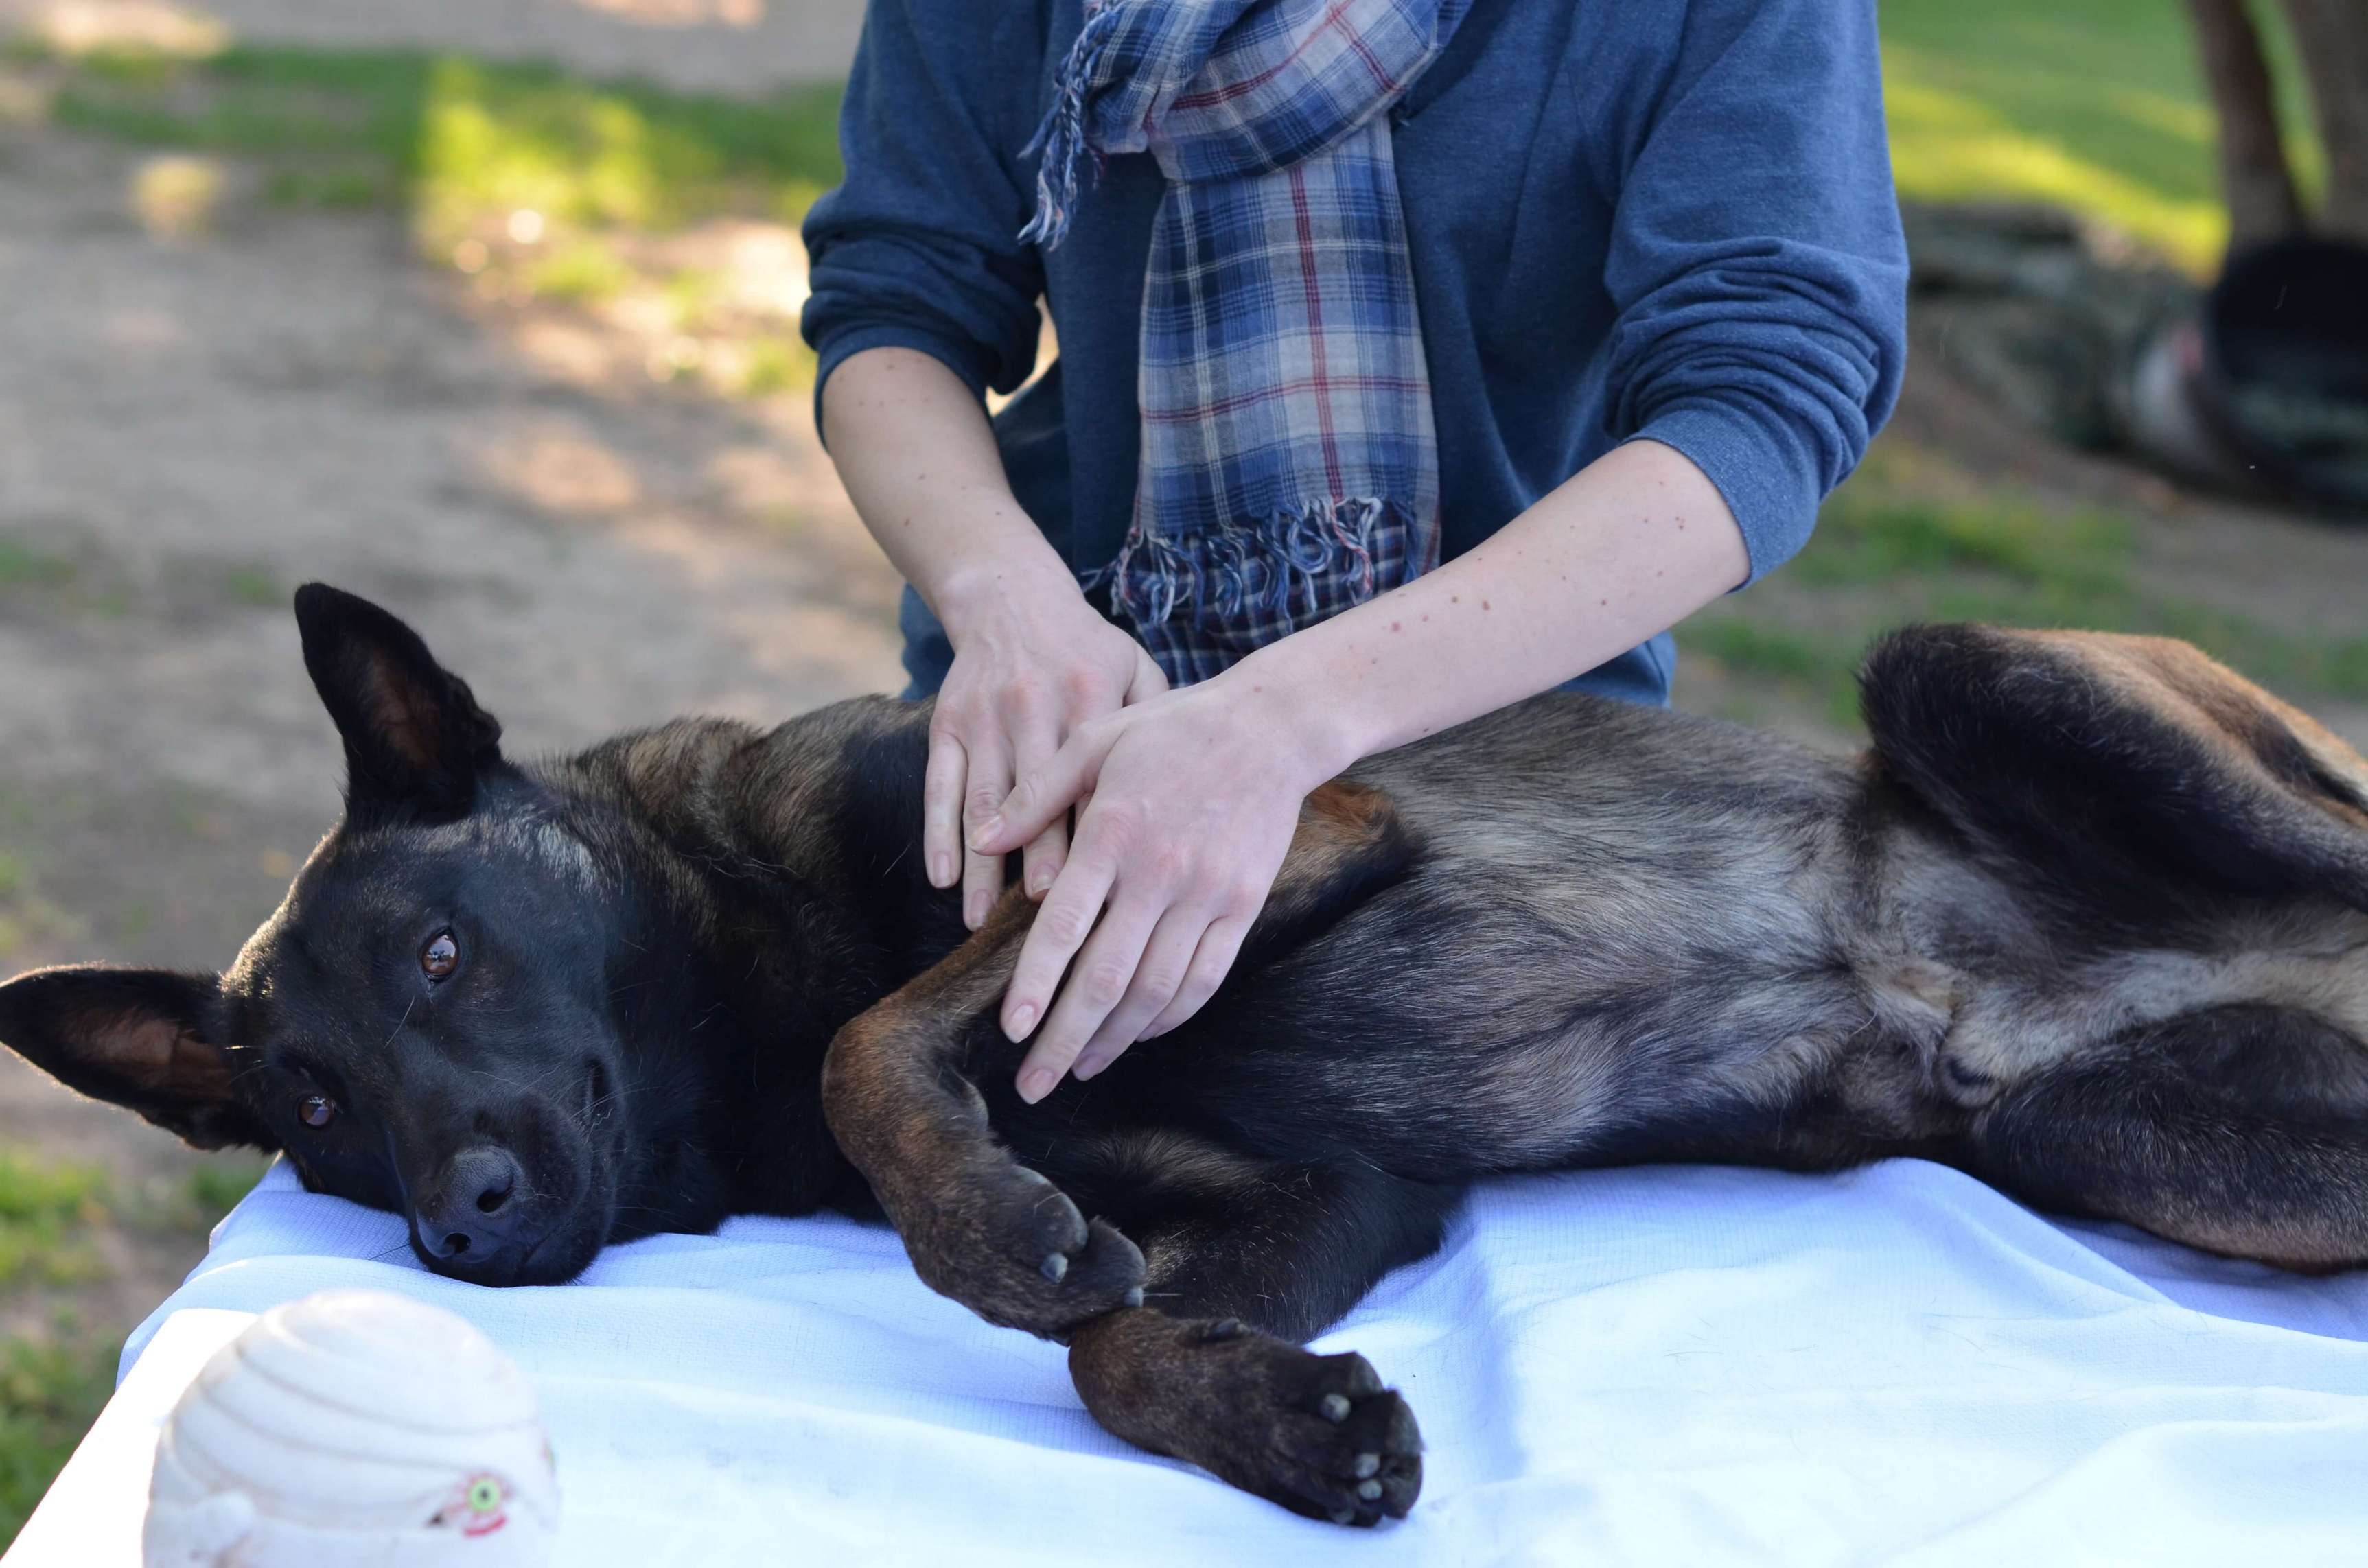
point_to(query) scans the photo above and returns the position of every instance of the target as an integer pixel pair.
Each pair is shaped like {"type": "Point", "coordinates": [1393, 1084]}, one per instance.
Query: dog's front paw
{"type": "Point", "coordinates": [1317, 1434]}
{"type": "Point", "coordinates": [1010, 1245]}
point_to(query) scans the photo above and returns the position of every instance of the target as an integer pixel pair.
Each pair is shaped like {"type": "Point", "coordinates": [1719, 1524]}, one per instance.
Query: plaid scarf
{"type": "Point", "coordinates": [1289, 468]}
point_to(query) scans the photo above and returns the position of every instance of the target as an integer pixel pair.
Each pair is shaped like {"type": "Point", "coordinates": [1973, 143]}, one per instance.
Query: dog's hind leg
{"type": "Point", "coordinates": [1246, 1259]}
{"type": "Point", "coordinates": [2238, 1131]}
{"type": "Point", "coordinates": [980, 1226]}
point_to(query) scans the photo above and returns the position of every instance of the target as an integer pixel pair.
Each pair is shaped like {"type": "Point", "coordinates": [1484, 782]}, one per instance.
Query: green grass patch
{"type": "Point", "coordinates": [460, 138]}
{"type": "Point", "coordinates": [47, 1210]}
{"type": "Point", "coordinates": [2099, 107]}
{"type": "Point", "coordinates": [50, 1391]}
{"type": "Point", "coordinates": [215, 1188]}
{"type": "Point", "coordinates": [1888, 553]}
{"type": "Point", "coordinates": [581, 270]}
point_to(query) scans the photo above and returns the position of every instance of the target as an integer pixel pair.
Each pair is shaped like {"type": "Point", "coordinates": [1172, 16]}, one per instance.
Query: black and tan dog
{"type": "Point", "coordinates": [2089, 920]}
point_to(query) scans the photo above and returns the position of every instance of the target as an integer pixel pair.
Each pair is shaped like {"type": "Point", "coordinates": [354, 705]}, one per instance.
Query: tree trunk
{"type": "Point", "coordinates": [2331, 35]}
{"type": "Point", "coordinates": [2253, 174]}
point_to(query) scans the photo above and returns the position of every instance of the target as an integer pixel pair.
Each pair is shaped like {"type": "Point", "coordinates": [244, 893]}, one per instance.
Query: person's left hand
{"type": "Point", "coordinates": [1188, 802]}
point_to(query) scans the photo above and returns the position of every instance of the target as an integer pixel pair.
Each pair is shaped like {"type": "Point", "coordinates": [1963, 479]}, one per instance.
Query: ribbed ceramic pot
{"type": "Point", "coordinates": [354, 1429]}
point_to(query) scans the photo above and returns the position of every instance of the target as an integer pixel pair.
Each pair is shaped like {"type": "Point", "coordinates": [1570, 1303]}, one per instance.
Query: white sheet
{"type": "Point", "coordinates": [1659, 1365]}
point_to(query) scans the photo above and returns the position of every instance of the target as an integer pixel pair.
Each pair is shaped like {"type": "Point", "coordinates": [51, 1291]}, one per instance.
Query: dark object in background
{"type": "Point", "coordinates": [2259, 386]}
{"type": "Point", "coordinates": [2037, 311]}
{"type": "Point", "coordinates": [2284, 373]}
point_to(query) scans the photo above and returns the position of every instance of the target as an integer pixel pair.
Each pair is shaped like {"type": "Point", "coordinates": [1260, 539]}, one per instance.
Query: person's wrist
{"type": "Point", "coordinates": [973, 595]}
{"type": "Point", "coordinates": [1314, 735]}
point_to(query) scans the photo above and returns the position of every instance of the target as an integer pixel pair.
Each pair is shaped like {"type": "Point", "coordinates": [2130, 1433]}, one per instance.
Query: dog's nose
{"type": "Point", "coordinates": [471, 1210]}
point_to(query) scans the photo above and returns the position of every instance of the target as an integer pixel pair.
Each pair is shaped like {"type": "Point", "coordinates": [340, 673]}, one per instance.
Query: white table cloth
{"type": "Point", "coordinates": [1675, 1365]}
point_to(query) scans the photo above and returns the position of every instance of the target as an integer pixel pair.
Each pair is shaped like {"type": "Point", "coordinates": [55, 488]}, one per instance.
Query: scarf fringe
{"type": "Point", "coordinates": [1153, 579]}
{"type": "Point", "coordinates": [1062, 138]}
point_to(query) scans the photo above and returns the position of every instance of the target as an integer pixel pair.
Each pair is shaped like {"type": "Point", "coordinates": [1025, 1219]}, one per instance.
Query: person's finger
{"type": "Point", "coordinates": [987, 781]}
{"type": "Point", "coordinates": [1220, 945]}
{"type": "Point", "coordinates": [1035, 742]}
{"type": "Point", "coordinates": [941, 802]}
{"type": "Point", "coordinates": [1036, 802]}
{"type": "Point", "coordinates": [1167, 958]}
{"type": "Point", "coordinates": [1098, 982]}
{"type": "Point", "coordinates": [1061, 928]}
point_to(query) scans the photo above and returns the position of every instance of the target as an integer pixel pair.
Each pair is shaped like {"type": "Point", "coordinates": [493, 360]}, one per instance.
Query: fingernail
{"type": "Point", "coordinates": [1087, 1066]}
{"type": "Point", "coordinates": [984, 831]}
{"type": "Point", "coordinates": [1023, 1018]}
{"type": "Point", "coordinates": [941, 870]}
{"type": "Point", "coordinates": [1040, 880]}
{"type": "Point", "coordinates": [975, 910]}
{"type": "Point", "coordinates": [1035, 1084]}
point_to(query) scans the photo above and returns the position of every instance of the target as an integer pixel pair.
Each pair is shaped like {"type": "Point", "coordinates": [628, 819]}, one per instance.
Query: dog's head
{"type": "Point", "coordinates": [426, 1024]}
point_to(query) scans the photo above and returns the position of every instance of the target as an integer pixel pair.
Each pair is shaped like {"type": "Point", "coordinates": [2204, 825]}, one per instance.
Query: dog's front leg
{"type": "Point", "coordinates": [980, 1227]}
{"type": "Point", "coordinates": [1250, 1259]}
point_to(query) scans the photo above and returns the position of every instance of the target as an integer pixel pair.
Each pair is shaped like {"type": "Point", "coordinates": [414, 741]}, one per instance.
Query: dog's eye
{"type": "Point", "coordinates": [316, 1110]}
{"type": "Point", "coordinates": [440, 957]}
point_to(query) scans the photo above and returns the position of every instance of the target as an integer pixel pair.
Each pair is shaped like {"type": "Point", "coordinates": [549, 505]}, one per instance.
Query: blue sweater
{"type": "Point", "coordinates": [1669, 219]}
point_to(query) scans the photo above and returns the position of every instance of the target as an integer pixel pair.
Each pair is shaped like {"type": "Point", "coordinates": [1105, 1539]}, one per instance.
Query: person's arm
{"type": "Point", "coordinates": [1195, 792]}
{"type": "Point", "coordinates": [1032, 660]}
{"type": "Point", "coordinates": [922, 296]}
{"type": "Point", "coordinates": [1758, 268]}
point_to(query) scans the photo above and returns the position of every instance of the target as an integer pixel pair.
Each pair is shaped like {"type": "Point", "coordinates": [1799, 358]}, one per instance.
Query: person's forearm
{"type": "Point", "coordinates": [919, 458]}
{"type": "Point", "coordinates": [1630, 546]}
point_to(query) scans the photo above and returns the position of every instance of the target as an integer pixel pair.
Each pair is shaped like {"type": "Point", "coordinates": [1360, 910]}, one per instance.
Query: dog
{"type": "Point", "coordinates": [2088, 920]}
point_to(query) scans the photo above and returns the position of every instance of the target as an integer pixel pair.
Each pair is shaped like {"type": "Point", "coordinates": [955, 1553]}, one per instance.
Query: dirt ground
{"type": "Point", "coordinates": [191, 426]}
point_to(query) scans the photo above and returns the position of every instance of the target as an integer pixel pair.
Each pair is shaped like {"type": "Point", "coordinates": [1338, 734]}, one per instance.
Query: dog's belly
{"type": "Point", "coordinates": [1447, 1030]}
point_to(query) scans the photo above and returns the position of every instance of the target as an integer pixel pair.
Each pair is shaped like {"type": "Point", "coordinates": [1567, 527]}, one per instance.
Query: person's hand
{"type": "Point", "coordinates": [1191, 799]}
{"type": "Point", "coordinates": [1028, 668]}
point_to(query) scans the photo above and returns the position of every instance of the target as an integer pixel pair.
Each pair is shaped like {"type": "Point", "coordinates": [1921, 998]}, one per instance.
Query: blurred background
{"type": "Point", "coordinates": [487, 309]}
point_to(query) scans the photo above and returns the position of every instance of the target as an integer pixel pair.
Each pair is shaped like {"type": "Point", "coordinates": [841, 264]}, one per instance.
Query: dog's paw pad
{"type": "Point", "coordinates": [1318, 1434]}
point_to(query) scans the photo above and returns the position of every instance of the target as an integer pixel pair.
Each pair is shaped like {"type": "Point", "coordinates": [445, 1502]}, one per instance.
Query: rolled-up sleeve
{"type": "Point", "coordinates": [1757, 263]}
{"type": "Point", "coordinates": [917, 247]}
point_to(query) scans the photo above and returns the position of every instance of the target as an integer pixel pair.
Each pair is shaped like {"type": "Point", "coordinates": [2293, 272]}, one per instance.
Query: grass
{"type": "Point", "coordinates": [2100, 107]}
{"type": "Point", "coordinates": [536, 184]}
{"type": "Point", "coordinates": [46, 1211]}
{"type": "Point", "coordinates": [1893, 548]}
{"type": "Point", "coordinates": [52, 1384]}
{"type": "Point", "coordinates": [456, 138]}
{"type": "Point", "coordinates": [50, 1391]}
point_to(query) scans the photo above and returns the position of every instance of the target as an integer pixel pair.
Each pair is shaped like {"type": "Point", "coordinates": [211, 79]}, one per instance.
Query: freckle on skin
{"type": "Point", "coordinates": [1484, 604]}
{"type": "Point", "coordinates": [1396, 626]}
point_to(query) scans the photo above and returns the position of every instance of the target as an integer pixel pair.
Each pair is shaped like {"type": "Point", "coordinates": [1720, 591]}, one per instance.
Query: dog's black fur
{"type": "Point", "coordinates": [2090, 920]}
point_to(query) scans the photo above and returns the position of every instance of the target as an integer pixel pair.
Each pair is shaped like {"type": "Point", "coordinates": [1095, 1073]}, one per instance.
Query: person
{"type": "Point", "coordinates": [1415, 356]}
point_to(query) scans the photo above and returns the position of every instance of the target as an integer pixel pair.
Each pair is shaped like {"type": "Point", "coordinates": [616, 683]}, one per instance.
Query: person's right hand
{"type": "Point", "coordinates": [1028, 669]}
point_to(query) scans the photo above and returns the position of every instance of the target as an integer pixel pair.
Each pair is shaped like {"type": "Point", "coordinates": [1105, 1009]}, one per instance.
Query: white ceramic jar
{"type": "Point", "coordinates": [354, 1429]}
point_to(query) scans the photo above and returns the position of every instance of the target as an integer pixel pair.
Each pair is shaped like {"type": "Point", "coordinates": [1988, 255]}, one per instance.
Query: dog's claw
{"type": "Point", "coordinates": [1345, 1516]}
{"type": "Point", "coordinates": [1134, 1297]}
{"type": "Point", "coordinates": [1368, 1464]}
{"type": "Point", "coordinates": [1054, 1267]}
{"type": "Point", "coordinates": [1369, 1490]}
{"type": "Point", "coordinates": [1333, 1407]}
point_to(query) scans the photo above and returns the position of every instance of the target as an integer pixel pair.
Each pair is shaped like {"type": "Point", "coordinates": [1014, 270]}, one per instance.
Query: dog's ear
{"type": "Point", "coordinates": [2130, 773]}
{"type": "Point", "coordinates": [415, 739]}
{"type": "Point", "coordinates": [137, 1037]}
